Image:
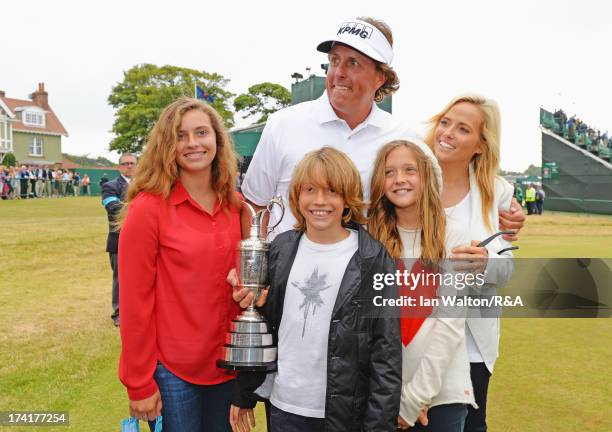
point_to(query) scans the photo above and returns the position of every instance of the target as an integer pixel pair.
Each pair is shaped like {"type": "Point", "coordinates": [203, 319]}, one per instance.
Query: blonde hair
{"type": "Point", "coordinates": [328, 167]}
{"type": "Point", "coordinates": [486, 164]}
{"type": "Point", "coordinates": [431, 219]}
{"type": "Point", "coordinates": [157, 170]}
{"type": "Point", "coordinates": [392, 83]}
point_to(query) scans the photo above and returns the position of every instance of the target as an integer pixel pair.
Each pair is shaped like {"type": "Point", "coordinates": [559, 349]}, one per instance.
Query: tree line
{"type": "Point", "coordinates": [147, 88]}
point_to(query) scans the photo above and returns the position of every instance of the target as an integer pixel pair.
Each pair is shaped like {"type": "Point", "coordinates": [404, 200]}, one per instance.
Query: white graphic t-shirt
{"type": "Point", "coordinates": [313, 284]}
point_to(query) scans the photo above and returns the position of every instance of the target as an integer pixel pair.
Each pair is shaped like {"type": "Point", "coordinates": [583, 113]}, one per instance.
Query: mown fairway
{"type": "Point", "coordinates": [59, 349]}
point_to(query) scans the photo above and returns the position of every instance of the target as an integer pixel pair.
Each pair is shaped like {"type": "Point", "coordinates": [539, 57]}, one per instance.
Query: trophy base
{"type": "Point", "coordinates": [247, 367]}
{"type": "Point", "coordinates": [249, 344]}
{"type": "Point", "coordinates": [249, 354]}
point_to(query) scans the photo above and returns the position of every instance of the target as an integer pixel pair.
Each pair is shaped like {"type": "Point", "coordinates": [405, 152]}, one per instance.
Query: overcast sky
{"type": "Point", "coordinates": [522, 53]}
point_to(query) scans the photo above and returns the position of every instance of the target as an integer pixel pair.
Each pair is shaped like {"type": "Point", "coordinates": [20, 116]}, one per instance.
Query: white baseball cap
{"type": "Point", "coordinates": [362, 36]}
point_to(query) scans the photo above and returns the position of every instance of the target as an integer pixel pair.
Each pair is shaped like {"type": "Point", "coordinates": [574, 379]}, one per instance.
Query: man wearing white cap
{"type": "Point", "coordinates": [345, 117]}
{"type": "Point", "coordinates": [360, 53]}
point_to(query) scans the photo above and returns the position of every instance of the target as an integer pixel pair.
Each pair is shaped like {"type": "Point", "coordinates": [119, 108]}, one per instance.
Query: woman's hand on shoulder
{"type": "Point", "coordinates": [146, 409]}
{"type": "Point", "coordinates": [512, 220]}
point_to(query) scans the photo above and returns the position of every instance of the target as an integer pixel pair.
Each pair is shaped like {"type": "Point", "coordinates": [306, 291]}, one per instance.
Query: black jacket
{"type": "Point", "coordinates": [364, 357]}
{"type": "Point", "coordinates": [113, 195]}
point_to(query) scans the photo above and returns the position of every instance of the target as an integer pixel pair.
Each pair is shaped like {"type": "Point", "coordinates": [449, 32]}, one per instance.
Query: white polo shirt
{"type": "Point", "coordinates": [294, 131]}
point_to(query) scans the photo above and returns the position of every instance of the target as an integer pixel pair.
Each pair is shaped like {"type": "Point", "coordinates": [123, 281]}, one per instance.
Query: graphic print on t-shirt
{"type": "Point", "coordinates": [311, 288]}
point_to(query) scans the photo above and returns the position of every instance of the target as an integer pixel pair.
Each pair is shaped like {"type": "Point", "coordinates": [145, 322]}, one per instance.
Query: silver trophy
{"type": "Point", "coordinates": [249, 345]}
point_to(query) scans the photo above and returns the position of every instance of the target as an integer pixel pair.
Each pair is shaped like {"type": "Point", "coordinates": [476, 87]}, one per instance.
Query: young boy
{"type": "Point", "coordinates": [339, 360]}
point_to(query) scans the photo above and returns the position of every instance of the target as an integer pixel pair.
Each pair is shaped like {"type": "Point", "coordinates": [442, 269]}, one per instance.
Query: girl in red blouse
{"type": "Point", "coordinates": [177, 246]}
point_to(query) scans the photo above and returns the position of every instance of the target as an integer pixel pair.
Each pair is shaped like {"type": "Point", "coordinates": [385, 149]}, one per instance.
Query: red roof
{"type": "Point", "coordinates": [52, 123]}
{"type": "Point", "coordinates": [68, 164]}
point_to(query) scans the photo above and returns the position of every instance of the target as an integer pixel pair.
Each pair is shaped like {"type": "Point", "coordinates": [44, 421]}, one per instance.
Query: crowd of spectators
{"type": "Point", "coordinates": [573, 128]}
{"type": "Point", "coordinates": [41, 182]}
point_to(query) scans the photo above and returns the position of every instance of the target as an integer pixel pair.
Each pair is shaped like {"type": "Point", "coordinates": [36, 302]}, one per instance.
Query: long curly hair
{"type": "Point", "coordinates": [157, 169]}
{"type": "Point", "coordinates": [431, 219]}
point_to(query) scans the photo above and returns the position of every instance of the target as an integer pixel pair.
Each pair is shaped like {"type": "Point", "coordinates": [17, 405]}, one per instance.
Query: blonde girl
{"type": "Point", "coordinates": [407, 216]}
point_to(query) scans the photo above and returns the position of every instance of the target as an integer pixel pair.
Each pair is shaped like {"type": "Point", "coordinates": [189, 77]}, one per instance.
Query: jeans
{"type": "Point", "coordinates": [443, 418]}
{"type": "Point", "coordinates": [282, 421]}
{"type": "Point", "coordinates": [539, 205]}
{"type": "Point", "coordinates": [477, 418]}
{"type": "Point", "coordinates": [191, 407]}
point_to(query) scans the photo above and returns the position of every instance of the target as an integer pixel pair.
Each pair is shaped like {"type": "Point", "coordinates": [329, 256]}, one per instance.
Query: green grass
{"type": "Point", "coordinates": [566, 235]}
{"type": "Point", "coordinates": [553, 374]}
{"type": "Point", "coordinates": [59, 349]}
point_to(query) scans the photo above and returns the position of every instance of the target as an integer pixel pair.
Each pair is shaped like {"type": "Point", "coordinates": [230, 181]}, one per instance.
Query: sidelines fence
{"type": "Point", "coordinates": [95, 175]}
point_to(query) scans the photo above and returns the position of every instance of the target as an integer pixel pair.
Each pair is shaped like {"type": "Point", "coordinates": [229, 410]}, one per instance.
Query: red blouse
{"type": "Point", "coordinates": [175, 303]}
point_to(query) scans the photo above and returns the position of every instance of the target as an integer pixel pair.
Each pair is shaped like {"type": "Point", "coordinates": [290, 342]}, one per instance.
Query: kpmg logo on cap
{"type": "Point", "coordinates": [354, 28]}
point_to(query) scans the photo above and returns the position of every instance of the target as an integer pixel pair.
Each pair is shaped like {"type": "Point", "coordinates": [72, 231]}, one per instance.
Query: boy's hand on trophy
{"type": "Point", "coordinates": [244, 296]}
{"type": "Point", "coordinates": [232, 279]}
{"type": "Point", "coordinates": [263, 296]}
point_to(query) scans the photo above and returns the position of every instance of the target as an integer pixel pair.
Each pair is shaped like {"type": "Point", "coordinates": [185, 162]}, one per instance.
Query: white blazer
{"type": "Point", "coordinates": [499, 268]}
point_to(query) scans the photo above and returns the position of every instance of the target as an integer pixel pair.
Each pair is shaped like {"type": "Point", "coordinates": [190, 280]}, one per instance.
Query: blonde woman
{"type": "Point", "coordinates": [407, 216]}
{"type": "Point", "coordinates": [465, 137]}
{"type": "Point", "coordinates": [176, 248]}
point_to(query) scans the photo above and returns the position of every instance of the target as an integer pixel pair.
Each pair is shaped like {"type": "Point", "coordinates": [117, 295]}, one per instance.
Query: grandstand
{"type": "Point", "coordinates": [576, 168]}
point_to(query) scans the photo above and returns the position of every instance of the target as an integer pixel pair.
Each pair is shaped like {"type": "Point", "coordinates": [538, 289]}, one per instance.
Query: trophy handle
{"type": "Point", "coordinates": [251, 209]}
{"type": "Point", "coordinates": [278, 200]}
{"type": "Point", "coordinates": [255, 225]}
